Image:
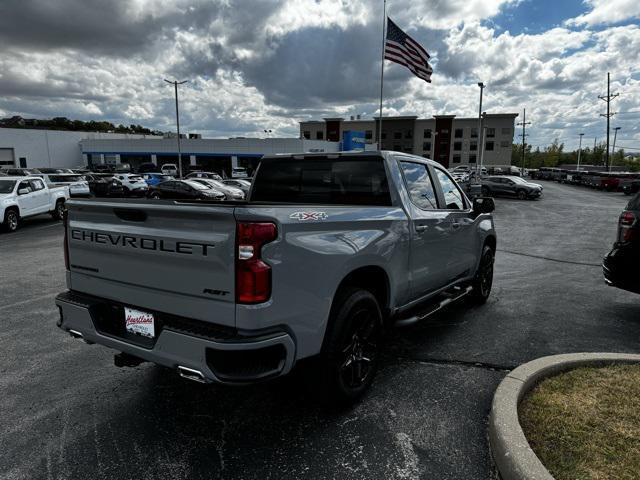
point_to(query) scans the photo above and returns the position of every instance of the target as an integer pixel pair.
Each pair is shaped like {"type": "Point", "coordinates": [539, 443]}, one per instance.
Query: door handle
{"type": "Point", "coordinates": [455, 225]}
{"type": "Point", "coordinates": [421, 228]}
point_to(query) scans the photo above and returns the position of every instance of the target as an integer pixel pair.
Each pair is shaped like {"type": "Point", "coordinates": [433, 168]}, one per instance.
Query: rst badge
{"type": "Point", "coordinates": [304, 216]}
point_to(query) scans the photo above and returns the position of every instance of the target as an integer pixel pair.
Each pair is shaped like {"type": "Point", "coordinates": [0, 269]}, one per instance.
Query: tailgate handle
{"type": "Point", "coordinates": [130, 215]}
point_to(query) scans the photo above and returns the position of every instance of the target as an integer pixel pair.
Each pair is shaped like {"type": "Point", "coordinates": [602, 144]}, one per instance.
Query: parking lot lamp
{"type": "Point", "coordinates": [579, 151]}
{"type": "Point", "coordinates": [481, 85]}
{"type": "Point", "coordinates": [175, 84]}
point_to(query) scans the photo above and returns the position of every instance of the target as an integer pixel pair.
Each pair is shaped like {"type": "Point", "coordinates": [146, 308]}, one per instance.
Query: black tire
{"type": "Point", "coordinates": [126, 192]}
{"type": "Point", "coordinates": [522, 195]}
{"type": "Point", "coordinates": [484, 277]}
{"type": "Point", "coordinates": [58, 211]}
{"type": "Point", "coordinates": [351, 349]}
{"type": "Point", "coordinates": [154, 195]}
{"type": "Point", "coordinates": [11, 220]}
{"type": "Point", "coordinates": [485, 191]}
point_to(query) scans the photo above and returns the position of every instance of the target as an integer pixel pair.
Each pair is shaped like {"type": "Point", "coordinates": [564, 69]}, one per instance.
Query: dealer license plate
{"type": "Point", "coordinates": [140, 323]}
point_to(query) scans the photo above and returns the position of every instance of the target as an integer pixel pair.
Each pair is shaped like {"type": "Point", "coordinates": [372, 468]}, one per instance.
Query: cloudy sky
{"type": "Point", "coordinates": [256, 64]}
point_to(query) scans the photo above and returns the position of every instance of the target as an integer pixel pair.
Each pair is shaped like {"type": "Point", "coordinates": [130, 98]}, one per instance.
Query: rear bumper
{"type": "Point", "coordinates": [219, 354]}
{"type": "Point", "coordinates": [620, 269]}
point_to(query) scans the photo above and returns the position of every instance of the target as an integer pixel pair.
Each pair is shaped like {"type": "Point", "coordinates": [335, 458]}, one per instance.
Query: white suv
{"type": "Point", "coordinates": [169, 169]}
{"type": "Point", "coordinates": [133, 184]}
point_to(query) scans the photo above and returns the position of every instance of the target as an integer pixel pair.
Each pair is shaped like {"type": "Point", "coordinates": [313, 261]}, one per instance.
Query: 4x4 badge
{"type": "Point", "coordinates": [302, 216]}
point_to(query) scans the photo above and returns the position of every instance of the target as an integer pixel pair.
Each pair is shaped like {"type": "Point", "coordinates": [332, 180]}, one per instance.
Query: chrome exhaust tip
{"type": "Point", "coordinates": [191, 374]}
{"type": "Point", "coordinates": [76, 334]}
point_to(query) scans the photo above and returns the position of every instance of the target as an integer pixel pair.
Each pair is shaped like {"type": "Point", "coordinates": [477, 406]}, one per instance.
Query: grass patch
{"type": "Point", "coordinates": [585, 424]}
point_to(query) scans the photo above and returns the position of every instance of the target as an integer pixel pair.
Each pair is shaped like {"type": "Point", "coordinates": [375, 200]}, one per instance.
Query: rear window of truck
{"type": "Point", "coordinates": [322, 180]}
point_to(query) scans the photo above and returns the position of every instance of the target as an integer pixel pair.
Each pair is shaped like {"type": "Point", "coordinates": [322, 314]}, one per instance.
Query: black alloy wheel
{"type": "Point", "coordinates": [360, 349]}
{"type": "Point", "coordinates": [11, 220]}
{"type": "Point", "coordinates": [58, 213]}
{"type": "Point", "coordinates": [351, 349]}
{"type": "Point", "coordinates": [483, 280]}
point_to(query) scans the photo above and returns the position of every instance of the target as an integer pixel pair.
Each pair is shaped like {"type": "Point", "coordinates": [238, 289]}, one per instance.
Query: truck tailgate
{"type": "Point", "coordinates": [160, 255]}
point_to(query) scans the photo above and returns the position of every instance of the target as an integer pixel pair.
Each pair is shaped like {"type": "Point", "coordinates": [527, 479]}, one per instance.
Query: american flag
{"type": "Point", "coordinates": [401, 48]}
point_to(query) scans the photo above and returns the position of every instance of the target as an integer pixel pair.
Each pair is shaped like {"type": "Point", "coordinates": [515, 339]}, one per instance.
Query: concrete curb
{"type": "Point", "coordinates": [511, 452]}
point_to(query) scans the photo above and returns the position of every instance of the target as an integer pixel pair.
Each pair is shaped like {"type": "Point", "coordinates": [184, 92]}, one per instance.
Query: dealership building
{"type": "Point", "coordinates": [447, 139]}
{"type": "Point", "coordinates": [64, 149]}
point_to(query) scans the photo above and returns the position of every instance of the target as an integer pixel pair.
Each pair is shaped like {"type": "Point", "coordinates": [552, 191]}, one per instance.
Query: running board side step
{"type": "Point", "coordinates": [450, 297]}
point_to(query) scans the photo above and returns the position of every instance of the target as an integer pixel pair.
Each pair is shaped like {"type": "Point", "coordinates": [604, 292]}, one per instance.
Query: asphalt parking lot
{"type": "Point", "coordinates": [66, 412]}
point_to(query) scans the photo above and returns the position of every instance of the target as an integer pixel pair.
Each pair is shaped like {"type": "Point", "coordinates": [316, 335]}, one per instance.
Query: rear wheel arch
{"type": "Point", "coordinates": [371, 278]}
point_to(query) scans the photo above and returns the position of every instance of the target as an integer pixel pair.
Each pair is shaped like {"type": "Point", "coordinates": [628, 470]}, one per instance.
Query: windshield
{"type": "Point", "coordinates": [196, 185]}
{"type": "Point", "coordinates": [6, 186]}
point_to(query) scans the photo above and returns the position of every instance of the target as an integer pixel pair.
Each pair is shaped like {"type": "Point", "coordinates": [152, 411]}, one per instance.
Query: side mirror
{"type": "Point", "coordinates": [483, 205]}
{"type": "Point", "coordinates": [24, 191]}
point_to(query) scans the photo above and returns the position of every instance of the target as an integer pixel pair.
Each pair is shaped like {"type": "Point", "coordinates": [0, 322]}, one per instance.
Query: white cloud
{"type": "Point", "coordinates": [607, 12]}
{"type": "Point", "coordinates": [445, 14]}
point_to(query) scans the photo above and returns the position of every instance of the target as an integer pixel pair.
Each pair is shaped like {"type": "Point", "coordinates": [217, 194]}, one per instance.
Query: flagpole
{"type": "Point", "coordinates": [384, 23]}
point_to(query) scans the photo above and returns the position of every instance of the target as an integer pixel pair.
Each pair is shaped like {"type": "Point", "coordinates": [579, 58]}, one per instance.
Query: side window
{"type": "Point", "coordinates": [37, 184]}
{"type": "Point", "coordinates": [419, 185]}
{"type": "Point", "coordinates": [452, 195]}
{"type": "Point", "coordinates": [24, 184]}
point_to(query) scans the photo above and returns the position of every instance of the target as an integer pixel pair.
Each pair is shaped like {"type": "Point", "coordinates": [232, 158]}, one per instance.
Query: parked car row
{"type": "Point", "coordinates": [627, 182]}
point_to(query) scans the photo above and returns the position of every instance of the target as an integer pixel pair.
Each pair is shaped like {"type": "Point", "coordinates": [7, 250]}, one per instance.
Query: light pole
{"type": "Point", "coordinates": [579, 152]}
{"type": "Point", "coordinates": [481, 85]}
{"type": "Point", "coordinates": [175, 84]}
{"type": "Point", "coordinates": [613, 153]}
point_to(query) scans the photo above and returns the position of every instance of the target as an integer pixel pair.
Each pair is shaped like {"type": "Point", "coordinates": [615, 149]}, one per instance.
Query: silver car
{"type": "Point", "coordinates": [231, 193]}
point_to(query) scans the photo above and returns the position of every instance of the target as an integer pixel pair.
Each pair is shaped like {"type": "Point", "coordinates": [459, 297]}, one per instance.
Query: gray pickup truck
{"type": "Point", "coordinates": [328, 251]}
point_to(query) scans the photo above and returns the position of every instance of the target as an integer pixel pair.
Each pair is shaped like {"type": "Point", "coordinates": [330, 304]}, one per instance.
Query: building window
{"type": "Point", "coordinates": [306, 134]}
{"type": "Point", "coordinates": [408, 134]}
{"type": "Point", "coordinates": [489, 146]}
{"type": "Point", "coordinates": [491, 132]}
{"type": "Point", "coordinates": [472, 158]}
{"type": "Point", "coordinates": [505, 143]}
{"type": "Point", "coordinates": [456, 159]}
{"type": "Point", "coordinates": [426, 146]}
{"type": "Point", "coordinates": [457, 146]}
{"type": "Point", "coordinates": [506, 131]}
{"type": "Point", "coordinates": [458, 133]}
{"type": "Point", "coordinates": [427, 133]}
{"type": "Point", "coordinates": [474, 133]}
{"type": "Point", "coordinates": [368, 135]}
{"type": "Point", "coordinates": [383, 136]}
{"type": "Point", "coordinates": [320, 135]}
{"type": "Point", "coordinates": [473, 146]}
{"type": "Point", "coordinates": [397, 135]}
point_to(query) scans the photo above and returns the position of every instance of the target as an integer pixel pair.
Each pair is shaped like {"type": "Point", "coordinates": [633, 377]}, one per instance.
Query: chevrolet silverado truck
{"type": "Point", "coordinates": [328, 251]}
{"type": "Point", "coordinates": [22, 197]}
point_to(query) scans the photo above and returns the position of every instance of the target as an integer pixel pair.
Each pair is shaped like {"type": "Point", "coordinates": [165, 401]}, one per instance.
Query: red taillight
{"type": "Point", "coordinates": [65, 222]}
{"type": "Point", "coordinates": [253, 276]}
{"type": "Point", "coordinates": [626, 232]}
{"type": "Point", "coordinates": [627, 218]}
